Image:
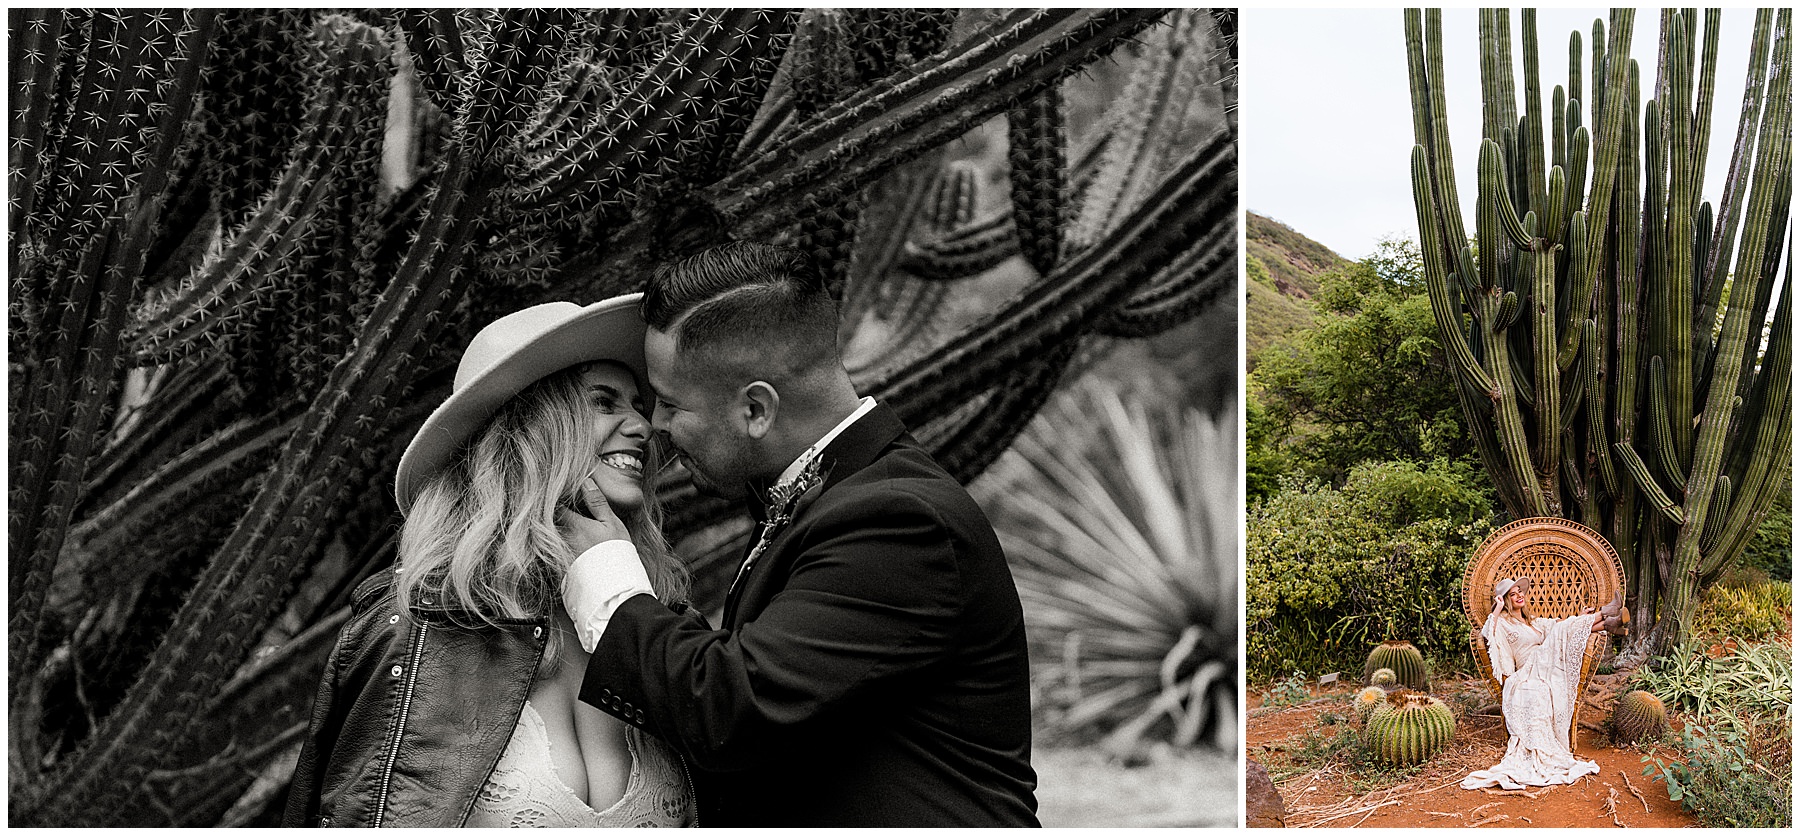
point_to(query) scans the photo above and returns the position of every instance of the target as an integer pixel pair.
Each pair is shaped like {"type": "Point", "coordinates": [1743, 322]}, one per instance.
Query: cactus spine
{"type": "Point", "coordinates": [1408, 728]}
{"type": "Point", "coordinates": [1637, 716]}
{"type": "Point", "coordinates": [1402, 660]}
{"type": "Point", "coordinates": [224, 322]}
{"type": "Point", "coordinates": [1582, 328]}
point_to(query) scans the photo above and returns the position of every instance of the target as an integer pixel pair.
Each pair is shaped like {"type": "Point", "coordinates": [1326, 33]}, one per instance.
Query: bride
{"type": "Point", "coordinates": [1538, 664]}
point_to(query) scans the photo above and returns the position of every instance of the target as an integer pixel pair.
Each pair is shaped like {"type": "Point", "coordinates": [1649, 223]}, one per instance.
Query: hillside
{"type": "Point", "coordinates": [1282, 268]}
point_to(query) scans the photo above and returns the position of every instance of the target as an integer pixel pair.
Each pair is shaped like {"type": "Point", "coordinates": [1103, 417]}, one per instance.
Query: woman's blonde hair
{"type": "Point", "coordinates": [481, 537]}
{"type": "Point", "coordinates": [1524, 612]}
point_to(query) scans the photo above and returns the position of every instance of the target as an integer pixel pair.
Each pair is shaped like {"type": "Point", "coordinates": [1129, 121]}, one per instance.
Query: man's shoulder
{"type": "Point", "coordinates": [903, 481]}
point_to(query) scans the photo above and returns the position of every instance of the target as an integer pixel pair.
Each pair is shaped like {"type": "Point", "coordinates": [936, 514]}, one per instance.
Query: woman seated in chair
{"type": "Point", "coordinates": [1538, 664]}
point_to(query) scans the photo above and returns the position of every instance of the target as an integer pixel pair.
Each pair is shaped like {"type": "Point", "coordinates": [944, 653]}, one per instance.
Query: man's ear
{"type": "Point", "coordinates": [758, 402]}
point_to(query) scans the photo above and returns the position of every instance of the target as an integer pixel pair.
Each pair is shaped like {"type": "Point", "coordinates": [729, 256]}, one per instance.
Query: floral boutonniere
{"type": "Point", "coordinates": [783, 501]}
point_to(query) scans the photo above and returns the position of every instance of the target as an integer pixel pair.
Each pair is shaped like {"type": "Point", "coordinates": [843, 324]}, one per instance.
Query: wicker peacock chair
{"type": "Point", "coordinates": [1571, 567]}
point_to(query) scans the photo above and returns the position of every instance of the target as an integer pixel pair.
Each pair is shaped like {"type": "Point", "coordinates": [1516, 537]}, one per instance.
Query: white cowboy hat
{"type": "Point", "coordinates": [511, 353]}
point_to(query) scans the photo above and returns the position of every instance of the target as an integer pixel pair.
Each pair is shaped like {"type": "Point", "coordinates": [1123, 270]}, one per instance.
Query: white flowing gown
{"type": "Point", "coordinates": [1539, 665]}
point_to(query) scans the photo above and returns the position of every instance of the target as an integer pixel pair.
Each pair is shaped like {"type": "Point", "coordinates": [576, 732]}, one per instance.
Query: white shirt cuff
{"type": "Point", "coordinates": [597, 583]}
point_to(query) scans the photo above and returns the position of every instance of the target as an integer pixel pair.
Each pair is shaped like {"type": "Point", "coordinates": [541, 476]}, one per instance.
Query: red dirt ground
{"type": "Point", "coordinates": [1329, 795]}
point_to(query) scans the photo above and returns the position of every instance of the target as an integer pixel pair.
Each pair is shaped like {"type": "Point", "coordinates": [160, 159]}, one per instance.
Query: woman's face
{"type": "Point", "coordinates": [620, 432]}
{"type": "Point", "coordinates": [1517, 597]}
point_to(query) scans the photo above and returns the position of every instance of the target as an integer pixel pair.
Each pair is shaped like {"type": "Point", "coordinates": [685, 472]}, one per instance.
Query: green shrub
{"type": "Point", "coordinates": [1772, 548]}
{"type": "Point", "coordinates": [1286, 692]}
{"type": "Point", "coordinates": [1753, 679]}
{"type": "Point", "coordinates": [1330, 572]}
{"type": "Point", "coordinates": [1749, 612]}
{"type": "Point", "coordinates": [1732, 774]}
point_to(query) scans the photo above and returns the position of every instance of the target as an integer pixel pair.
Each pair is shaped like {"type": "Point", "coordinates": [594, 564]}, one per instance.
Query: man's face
{"type": "Point", "coordinates": [701, 421]}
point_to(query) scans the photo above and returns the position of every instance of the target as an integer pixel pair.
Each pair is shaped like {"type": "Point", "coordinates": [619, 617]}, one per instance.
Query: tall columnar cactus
{"type": "Point", "coordinates": [1403, 661]}
{"type": "Point", "coordinates": [1604, 323]}
{"type": "Point", "coordinates": [224, 323]}
{"type": "Point", "coordinates": [1408, 728]}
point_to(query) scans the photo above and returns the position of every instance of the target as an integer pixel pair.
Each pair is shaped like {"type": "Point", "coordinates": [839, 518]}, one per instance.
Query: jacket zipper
{"type": "Point", "coordinates": [412, 679]}
{"type": "Point", "coordinates": [693, 794]}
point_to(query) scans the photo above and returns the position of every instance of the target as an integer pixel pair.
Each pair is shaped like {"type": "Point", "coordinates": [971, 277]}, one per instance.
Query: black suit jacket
{"type": "Point", "coordinates": [872, 669]}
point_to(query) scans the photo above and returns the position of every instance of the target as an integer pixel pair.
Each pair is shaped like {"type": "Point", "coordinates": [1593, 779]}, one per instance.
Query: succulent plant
{"type": "Point", "coordinates": [1609, 350]}
{"type": "Point", "coordinates": [1638, 715]}
{"type": "Point", "coordinates": [1403, 661]}
{"type": "Point", "coordinates": [1367, 700]}
{"type": "Point", "coordinates": [234, 294]}
{"type": "Point", "coordinates": [1384, 678]}
{"type": "Point", "coordinates": [1408, 728]}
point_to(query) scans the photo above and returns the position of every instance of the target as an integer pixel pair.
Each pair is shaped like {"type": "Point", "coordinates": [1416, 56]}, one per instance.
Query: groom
{"type": "Point", "coordinates": [871, 669]}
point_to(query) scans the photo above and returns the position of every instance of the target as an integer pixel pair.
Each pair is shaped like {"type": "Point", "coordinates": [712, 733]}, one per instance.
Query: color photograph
{"type": "Point", "coordinates": [1518, 417]}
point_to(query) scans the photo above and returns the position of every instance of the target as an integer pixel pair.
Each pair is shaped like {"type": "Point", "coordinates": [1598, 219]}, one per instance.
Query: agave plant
{"type": "Point", "coordinates": [1121, 526]}
{"type": "Point", "coordinates": [247, 246]}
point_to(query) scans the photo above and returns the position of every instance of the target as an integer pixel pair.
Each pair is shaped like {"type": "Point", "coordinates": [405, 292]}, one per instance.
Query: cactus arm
{"type": "Point", "coordinates": [1428, 87]}
{"type": "Point", "coordinates": [36, 62]}
{"type": "Point", "coordinates": [1661, 437]}
{"type": "Point", "coordinates": [1703, 106]}
{"type": "Point", "coordinates": [1678, 270]}
{"type": "Point", "coordinates": [56, 428]}
{"type": "Point", "coordinates": [1035, 157]}
{"type": "Point", "coordinates": [1533, 167]}
{"type": "Point", "coordinates": [1145, 122]}
{"type": "Point", "coordinates": [971, 249]}
{"type": "Point", "coordinates": [969, 447]}
{"type": "Point", "coordinates": [1715, 514]}
{"type": "Point", "coordinates": [1492, 187]}
{"type": "Point", "coordinates": [1591, 349]}
{"type": "Point", "coordinates": [1199, 195]}
{"type": "Point", "coordinates": [435, 41]}
{"type": "Point", "coordinates": [896, 207]}
{"type": "Point", "coordinates": [1640, 475]}
{"type": "Point", "coordinates": [1738, 172]}
{"type": "Point", "coordinates": [683, 116]}
{"type": "Point", "coordinates": [1193, 280]}
{"type": "Point", "coordinates": [1574, 62]}
{"type": "Point", "coordinates": [1546, 386]}
{"type": "Point", "coordinates": [855, 141]}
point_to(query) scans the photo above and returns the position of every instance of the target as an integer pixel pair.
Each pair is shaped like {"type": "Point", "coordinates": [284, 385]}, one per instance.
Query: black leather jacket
{"type": "Point", "coordinates": [411, 715]}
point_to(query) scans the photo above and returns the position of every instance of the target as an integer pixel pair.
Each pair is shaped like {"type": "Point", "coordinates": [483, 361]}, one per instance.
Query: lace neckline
{"type": "Point", "coordinates": [542, 732]}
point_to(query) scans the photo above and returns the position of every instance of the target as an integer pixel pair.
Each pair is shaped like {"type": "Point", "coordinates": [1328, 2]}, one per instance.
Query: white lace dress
{"type": "Point", "coordinates": [1539, 665]}
{"type": "Point", "coordinates": [524, 790]}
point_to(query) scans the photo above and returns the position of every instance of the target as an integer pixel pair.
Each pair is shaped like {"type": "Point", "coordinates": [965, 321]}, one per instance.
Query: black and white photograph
{"type": "Point", "coordinates": [624, 417]}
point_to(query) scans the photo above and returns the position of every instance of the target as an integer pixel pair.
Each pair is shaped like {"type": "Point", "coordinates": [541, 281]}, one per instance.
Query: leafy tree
{"type": "Point", "coordinates": [1368, 380]}
{"type": "Point", "coordinates": [1264, 462]}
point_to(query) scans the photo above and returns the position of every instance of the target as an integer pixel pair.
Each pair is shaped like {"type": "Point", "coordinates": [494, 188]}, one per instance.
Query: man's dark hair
{"type": "Point", "coordinates": [746, 303]}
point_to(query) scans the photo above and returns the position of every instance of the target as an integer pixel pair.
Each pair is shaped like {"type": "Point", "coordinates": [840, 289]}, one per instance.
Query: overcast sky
{"type": "Point", "coordinates": [1326, 117]}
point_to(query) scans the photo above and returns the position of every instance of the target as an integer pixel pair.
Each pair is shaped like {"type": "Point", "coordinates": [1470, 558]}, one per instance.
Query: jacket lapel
{"type": "Point", "coordinates": [854, 449]}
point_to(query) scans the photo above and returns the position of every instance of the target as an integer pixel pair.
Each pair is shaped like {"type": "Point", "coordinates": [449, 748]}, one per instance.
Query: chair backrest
{"type": "Point", "coordinates": [1570, 565]}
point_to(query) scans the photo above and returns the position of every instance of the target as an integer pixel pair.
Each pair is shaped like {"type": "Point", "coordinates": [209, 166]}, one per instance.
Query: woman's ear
{"type": "Point", "coordinates": [758, 403]}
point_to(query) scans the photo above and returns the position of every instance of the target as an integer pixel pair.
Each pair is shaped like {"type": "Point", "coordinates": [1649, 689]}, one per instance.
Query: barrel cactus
{"type": "Point", "coordinates": [1408, 728]}
{"type": "Point", "coordinates": [1400, 657]}
{"type": "Point", "coordinates": [1638, 715]}
{"type": "Point", "coordinates": [1384, 678]}
{"type": "Point", "coordinates": [1367, 700]}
